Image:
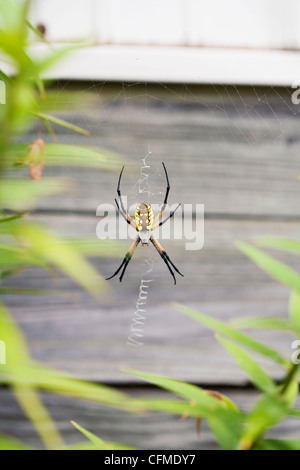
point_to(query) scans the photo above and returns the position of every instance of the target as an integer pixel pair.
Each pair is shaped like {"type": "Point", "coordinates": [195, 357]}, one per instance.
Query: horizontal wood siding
{"type": "Point", "coordinates": [223, 148]}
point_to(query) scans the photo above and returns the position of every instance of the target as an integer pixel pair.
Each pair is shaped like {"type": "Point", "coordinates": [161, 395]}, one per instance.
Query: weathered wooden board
{"type": "Point", "coordinates": [234, 150]}
{"type": "Point", "coordinates": [153, 431]}
{"type": "Point", "coordinates": [91, 339]}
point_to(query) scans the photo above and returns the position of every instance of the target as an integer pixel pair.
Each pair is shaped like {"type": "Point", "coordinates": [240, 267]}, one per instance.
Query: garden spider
{"type": "Point", "coordinates": [144, 223]}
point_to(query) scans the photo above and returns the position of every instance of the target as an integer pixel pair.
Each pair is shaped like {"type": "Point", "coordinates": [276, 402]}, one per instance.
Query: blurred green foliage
{"type": "Point", "coordinates": [24, 243]}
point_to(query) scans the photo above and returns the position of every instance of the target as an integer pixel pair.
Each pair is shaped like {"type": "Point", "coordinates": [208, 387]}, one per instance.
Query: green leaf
{"type": "Point", "coordinates": [51, 249]}
{"type": "Point", "coordinates": [4, 77]}
{"type": "Point", "coordinates": [295, 413]}
{"type": "Point", "coordinates": [10, 443]}
{"type": "Point", "coordinates": [254, 371]}
{"type": "Point", "coordinates": [279, 243]}
{"type": "Point", "coordinates": [274, 268]}
{"type": "Point", "coordinates": [226, 428]}
{"type": "Point", "coordinates": [268, 323]}
{"type": "Point", "coordinates": [97, 442]}
{"type": "Point", "coordinates": [71, 155]}
{"type": "Point", "coordinates": [22, 194]}
{"type": "Point", "coordinates": [225, 425]}
{"type": "Point", "coordinates": [36, 31]}
{"type": "Point", "coordinates": [233, 334]}
{"type": "Point", "coordinates": [58, 382]}
{"type": "Point", "coordinates": [270, 410]}
{"type": "Point", "coordinates": [218, 412]}
{"type": "Point", "coordinates": [13, 256]}
{"type": "Point", "coordinates": [109, 446]}
{"type": "Point", "coordinates": [60, 122]}
{"type": "Point", "coordinates": [54, 54]}
{"type": "Point", "coordinates": [10, 218]}
{"type": "Point", "coordinates": [274, 444]}
{"type": "Point", "coordinates": [176, 407]}
{"type": "Point", "coordinates": [46, 292]}
{"type": "Point", "coordinates": [294, 308]}
{"type": "Point", "coordinates": [17, 365]}
{"type": "Point", "coordinates": [179, 407]}
{"type": "Point", "coordinates": [190, 392]}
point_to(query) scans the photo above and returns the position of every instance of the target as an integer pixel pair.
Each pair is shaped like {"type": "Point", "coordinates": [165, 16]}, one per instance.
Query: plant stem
{"type": "Point", "coordinates": [288, 378]}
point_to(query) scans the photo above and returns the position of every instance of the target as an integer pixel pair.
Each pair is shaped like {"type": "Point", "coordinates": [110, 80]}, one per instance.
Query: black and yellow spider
{"type": "Point", "coordinates": [144, 223]}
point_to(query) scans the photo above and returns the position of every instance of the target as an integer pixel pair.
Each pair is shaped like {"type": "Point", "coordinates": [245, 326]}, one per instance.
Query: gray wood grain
{"type": "Point", "coordinates": [234, 150]}
{"type": "Point", "coordinates": [154, 431]}
{"type": "Point", "coordinates": [91, 339]}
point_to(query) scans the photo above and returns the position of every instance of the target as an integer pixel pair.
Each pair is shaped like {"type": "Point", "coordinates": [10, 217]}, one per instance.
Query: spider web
{"type": "Point", "coordinates": [238, 140]}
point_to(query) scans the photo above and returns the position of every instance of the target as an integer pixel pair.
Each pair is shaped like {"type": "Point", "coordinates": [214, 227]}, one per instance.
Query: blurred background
{"type": "Point", "coordinates": [206, 87]}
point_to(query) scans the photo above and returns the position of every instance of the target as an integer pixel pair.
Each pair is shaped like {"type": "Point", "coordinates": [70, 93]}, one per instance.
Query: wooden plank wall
{"type": "Point", "coordinates": [234, 150]}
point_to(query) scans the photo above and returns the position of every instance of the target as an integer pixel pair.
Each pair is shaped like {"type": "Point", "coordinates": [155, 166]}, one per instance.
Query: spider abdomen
{"type": "Point", "coordinates": [143, 217]}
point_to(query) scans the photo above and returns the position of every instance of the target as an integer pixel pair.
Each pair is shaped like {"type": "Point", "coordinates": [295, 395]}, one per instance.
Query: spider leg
{"type": "Point", "coordinates": [166, 196]}
{"type": "Point", "coordinates": [126, 216]}
{"type": "Point", "coordinates": [165, 257]}
{"type": "Point", "coordinates": [122, 210]}
{"type": "Point", "coordinates": [120, 197]}
{"type": "Point", "coordinates": [126, 259]}
{"type": "Point", "coordinates": [167, 218]}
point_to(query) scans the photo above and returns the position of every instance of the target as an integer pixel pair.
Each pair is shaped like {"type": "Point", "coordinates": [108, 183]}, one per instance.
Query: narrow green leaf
{"type": "Point", "coordinates": [269, 410]}
{"type": "Point", "coordinates": [10, 443]}
{"type": "Point", "coordinates": [17, 364]}
{"type": "Point", "coordinates": [218, 412]}
{"type": "Point", "coordinates": [87, 445]}
{"type": "Point", "coordinates": [178, 407]}
{"type": "Point", "coordinates": [11, 217]}
{"type": "Point", "coordinates": [270, 265]}
{"type": "Point", "coordinates": [190, 392]}
{"type": "Point", "coordinates": [70, 155]}
{"type": "Point", "coordinates": [54, 54]}
{"type": "Point", "coordinates": [4, 77]}
{"type": "Point", "coordinates": [51, 249]}
{"type": "Point", "coordinates": [279, 243]}
{"type": "Point", "coordinates": [233, 334]}
{"type": "Point", "coordinates": [294, 308]}
{"type": "Point", "coordinates": [60, 122]}
{"type": "Point", "coordinates": [226, 428]}
{"type": "Point", "coordinates": [50, 130]}
{"type": "Point", "coordinates": [13, 256]}
{"type": "Point", "coordinates": [268, 323]}
{"type": "Point", "coordinates": [36, 31]}
{"type": "Point", "coordinates": [22, 194]}
{"type": "Point", "coordinates": [254, 371]}
{"type": "Point", "coordinates": [295, 413]}
{"type": "Point", "coordinates": [97, 442]}
{"type": "Point", "coordinates": [274, 444]}
{"type": "Point", "coordinates": [44, 292]}
{"type": "Point", "coordinates": [58, 382]}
